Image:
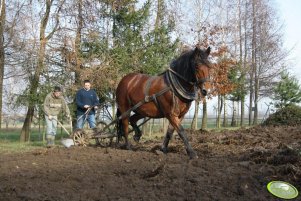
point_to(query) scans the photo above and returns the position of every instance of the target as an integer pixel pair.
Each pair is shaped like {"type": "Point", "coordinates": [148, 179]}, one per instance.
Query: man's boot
{"type": "Point", "coordinates": [50, 141]}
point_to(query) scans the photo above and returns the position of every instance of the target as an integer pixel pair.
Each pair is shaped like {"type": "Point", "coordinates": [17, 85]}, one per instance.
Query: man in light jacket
{"type": "Point", "coordinates": [54, 104]}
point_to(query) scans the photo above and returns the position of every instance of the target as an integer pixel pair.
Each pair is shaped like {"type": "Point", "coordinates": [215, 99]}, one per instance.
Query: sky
{"type": "Point", "coordinates": [290, 14]}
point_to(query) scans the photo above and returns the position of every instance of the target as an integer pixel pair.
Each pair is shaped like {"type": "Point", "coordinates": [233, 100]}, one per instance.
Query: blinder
{"type": "Point", "coordinates": [202, 81]}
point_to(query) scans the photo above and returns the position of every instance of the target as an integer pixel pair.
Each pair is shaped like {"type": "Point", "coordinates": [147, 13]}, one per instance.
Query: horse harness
{"type": "Point", "coordinates": [174, 85]}
{"type": "Point", "coordinates": [187, 96]}
{"type": "Point", "coordinates": [153, 97]}
{"type": "Point", "coordinates": [147, 98]}
{"type": "Point", "coordinates": [172, 79]}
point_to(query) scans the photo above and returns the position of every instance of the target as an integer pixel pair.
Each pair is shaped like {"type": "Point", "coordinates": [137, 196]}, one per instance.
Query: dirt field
{"type": "Point", "coordinates": [232, 165]}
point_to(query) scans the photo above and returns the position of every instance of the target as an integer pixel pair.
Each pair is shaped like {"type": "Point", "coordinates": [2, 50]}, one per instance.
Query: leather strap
{"type": "Point", "coordinates": [151, 98]}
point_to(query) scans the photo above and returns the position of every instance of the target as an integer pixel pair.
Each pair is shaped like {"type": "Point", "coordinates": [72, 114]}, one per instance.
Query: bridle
{"type": "Point", "coordinates": [199, 81]}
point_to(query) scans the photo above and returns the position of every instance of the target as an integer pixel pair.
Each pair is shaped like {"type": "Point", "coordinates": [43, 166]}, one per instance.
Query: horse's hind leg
{"type": "Point", "coordinates": [167, 138]}
{"type": "Point", "coordinates": [133, 120]}
{"type": "Point", "coordinates": [176, 123]}
{"type": "Point", "coordinates": [120, 132]}
{"type": "Point", "coordinates": [125, 126]}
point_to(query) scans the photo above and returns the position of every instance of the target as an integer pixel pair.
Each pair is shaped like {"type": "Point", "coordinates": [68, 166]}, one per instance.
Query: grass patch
{"type": "Point", "coordinates": [18, 147]}
{"type": "Point", "coordinates": [13, 135]}
{"type": "Point", "coordinates": [10, 140]}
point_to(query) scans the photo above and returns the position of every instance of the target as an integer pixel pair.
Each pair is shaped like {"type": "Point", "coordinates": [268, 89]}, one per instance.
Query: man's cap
{"type": "Point", "coordinates": [57, 89]}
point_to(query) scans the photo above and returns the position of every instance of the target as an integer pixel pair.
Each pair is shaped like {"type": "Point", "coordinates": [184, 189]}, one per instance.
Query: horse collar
{"type": "Point", "coordinates": [173, 82]}
{"type": "Point", "coordinates": [180, 76]}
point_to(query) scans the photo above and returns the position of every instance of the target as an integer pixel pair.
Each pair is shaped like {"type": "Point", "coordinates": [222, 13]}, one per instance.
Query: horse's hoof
{"type": "Point", "coordinates": [164, 150]}
{"type": "Point", "coordinates": [193, 155]}
{"type": "Point", "coordinates": [129, 147]}
{"type": "Point", "coordinates": [136, 138]}
{"type": "Point", "coordinates": [124, 146]}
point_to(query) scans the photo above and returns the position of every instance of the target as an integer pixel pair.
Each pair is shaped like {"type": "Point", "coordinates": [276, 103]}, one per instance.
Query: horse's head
{"type": "Point", "coordinates": [202, 68]}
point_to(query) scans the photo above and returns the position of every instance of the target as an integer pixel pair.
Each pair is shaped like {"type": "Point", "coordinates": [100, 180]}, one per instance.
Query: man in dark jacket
{"type": "Point", "coordinates": [87, 102]}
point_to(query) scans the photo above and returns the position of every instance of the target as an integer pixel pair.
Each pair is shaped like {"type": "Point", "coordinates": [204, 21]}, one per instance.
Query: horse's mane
{"type": "Point", "coordinates": [186, 63]}
{"type": "Point", "coordinates": [185, 66]}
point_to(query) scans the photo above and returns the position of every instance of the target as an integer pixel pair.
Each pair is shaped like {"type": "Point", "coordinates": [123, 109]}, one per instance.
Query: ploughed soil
{"type": "Point", "coordinates": [232, 165]}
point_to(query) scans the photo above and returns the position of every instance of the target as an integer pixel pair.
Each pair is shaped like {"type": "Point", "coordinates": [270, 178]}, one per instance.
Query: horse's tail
{"type": "Point", "coordinates": [119, 126]}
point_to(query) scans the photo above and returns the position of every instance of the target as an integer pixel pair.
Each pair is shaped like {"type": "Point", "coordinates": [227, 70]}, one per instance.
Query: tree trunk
{"type": "Point", "coordinates": [204, 118]}
{"type": "Point", "coordinates": [256, 91]}
{"type": "Point", "coordinates": [151, 127]}
{"type": "Point", "coordinates": [165, 125]}
{"type": "Point", "coordinates": [194, 123]}
{"type": "Point", "coordinates": [25, 132]}
{"type": "Point", "coordinates": [233, 121]}
{"type": "Point", "coordinates": [225, 122]}
{"type": "Point", "coordinates": [219, 111]}
{"type": "Point", "coordinates": [253, 66]}
{"type": "Point", "coordinates": [251, 98]}
{"type": "Point", "coordinates": [242, 62]}
{"type": "Point", "coordinates": [144, 127]}
{"type": "Point", "coordinates": [242, 112]}
{"type": "Point", "coordinates": [78, 38]}
{"type": "Point", "coordinates": [114, 106]}
{"type": "Point", "coordinates": [254, 61]}
{"type": "Point", "coordinates": [2, 55]}
{"type": "Point", "coordinates": [256, 79]}
{"type": "Point", "coordinates": [159, 14]}
{"type": "Point", "coordinates": [237, 112]}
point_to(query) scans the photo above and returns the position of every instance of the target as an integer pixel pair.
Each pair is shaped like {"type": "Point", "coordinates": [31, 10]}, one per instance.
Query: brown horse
{"type": "Point", "coordinates": [167, 95]}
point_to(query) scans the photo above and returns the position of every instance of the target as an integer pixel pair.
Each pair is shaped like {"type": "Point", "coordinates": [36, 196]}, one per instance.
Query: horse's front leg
{"type": "Point", "coordinates": [167, 138]}
{"type": "Point", "coordinates": [192, 154]}
{"type": "Point", "coordinates": [176, 123]}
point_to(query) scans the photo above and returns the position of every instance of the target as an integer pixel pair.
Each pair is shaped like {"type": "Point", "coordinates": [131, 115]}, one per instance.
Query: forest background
{"type": "Point", "coordinates": [63, 42]}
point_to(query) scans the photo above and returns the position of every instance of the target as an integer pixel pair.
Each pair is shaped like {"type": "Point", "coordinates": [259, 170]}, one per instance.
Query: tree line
{"type": "Point", "coordinates": [62, 42]}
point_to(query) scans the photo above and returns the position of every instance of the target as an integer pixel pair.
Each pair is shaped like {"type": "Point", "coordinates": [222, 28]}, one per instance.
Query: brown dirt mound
{"type": "Point", "coordinates": [232, 165]}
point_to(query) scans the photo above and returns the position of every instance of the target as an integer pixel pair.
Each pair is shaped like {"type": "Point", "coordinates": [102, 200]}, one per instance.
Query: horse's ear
{"type": "Point", "coordinates": [196, 50]}
{"type": "Point", "coordinates": [208, 50]}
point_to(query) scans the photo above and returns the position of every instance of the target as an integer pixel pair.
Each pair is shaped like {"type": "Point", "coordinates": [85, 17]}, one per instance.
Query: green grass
{"type": "Point", "coordinates": [13, 147]}
{"type": "Point", "coordinates": [10, 140]}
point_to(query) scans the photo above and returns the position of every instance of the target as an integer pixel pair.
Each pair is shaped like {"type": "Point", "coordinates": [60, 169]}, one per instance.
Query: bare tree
{"type": "Point", "coordinates": [199, 13]}
{"type": "Point", "coordinates": [34, 82]}
{"type": "Point", "coordinates": [12, 46]}
{"type": "Point", "coordinates": [2, 56]}
{"type": "Point", "coordinates": [267, 54]}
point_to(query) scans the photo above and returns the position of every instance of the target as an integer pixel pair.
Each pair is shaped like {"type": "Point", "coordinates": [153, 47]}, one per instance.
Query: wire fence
{"type": "Point", "coordinates": [152, 126]}
{"type": "Point", "coordinates": [160, 125]}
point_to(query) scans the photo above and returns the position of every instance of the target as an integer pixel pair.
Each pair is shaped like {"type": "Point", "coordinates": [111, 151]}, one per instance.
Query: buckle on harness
{"type": "Point", "coordinates": [147, 99]}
